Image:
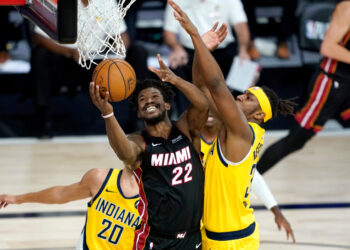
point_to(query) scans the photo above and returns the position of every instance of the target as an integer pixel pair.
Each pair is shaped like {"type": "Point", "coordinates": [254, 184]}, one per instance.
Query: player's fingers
{"type": "Point", "coordinates": [105, 99]}
{"type": "Point", "coordinates": [154, 70]}
{"type": "Point", "coordinates": [97, 94]}
{"type": "Point", "coordinates": [223, 36]}
{"type": "Point", "coordinates": [6, 204]}
{"type": "Point", "coordinates": [222, 28]}
{"type": "Point", "coordinates": [222, 32]}
{"type": "Point", "coordinates": [92, 90]}
{"type": "Point", "coordinates": [161, 63]}
{"type": "Point", "coordinates": [293, 238]}
{"type": "Point", "coordinates": [178, 17]}
{"type": "Point", "coordinates": [175, 7]}
{"type": "Point", "coordinates": [215, 26]}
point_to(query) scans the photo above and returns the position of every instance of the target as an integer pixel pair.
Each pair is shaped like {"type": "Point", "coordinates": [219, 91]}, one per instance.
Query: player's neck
{"type": "Point", "coordinates": [210, 133]}
{"type": "Point", "coordinates": [161, 129]}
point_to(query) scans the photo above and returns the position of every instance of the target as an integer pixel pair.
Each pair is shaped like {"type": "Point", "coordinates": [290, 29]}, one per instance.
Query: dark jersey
{"type": "Point", "coordinates": [335, 68]}
{"type": "Point", "coordinates": [172, 184]}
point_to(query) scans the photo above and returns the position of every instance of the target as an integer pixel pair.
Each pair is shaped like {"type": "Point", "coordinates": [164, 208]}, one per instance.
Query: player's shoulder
{"type": "Point", "coordinates": [96, 175]}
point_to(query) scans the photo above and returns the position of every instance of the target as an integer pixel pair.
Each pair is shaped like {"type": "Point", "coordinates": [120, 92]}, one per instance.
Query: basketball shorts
{"type": "Point", "coordinates": [192, 241]}
{"type": "Point", "coordinates": [250, 242]}
{"type": "Point", "coordinates": [327, 98]}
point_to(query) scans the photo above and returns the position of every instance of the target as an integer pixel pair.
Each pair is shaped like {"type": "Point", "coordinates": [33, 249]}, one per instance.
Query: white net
{"type": "Point", "coordinates": [99, 25]}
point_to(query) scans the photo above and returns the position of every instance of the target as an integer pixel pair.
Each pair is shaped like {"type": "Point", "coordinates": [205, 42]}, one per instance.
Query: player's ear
{"type": "Point", "coordinates": [167, 106]}
{"type": "Point", "coordinates": [259, 115]}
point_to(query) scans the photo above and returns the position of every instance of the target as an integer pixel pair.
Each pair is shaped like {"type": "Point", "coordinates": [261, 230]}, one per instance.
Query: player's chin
{"type": "Point", "coordinates": [154, 118]}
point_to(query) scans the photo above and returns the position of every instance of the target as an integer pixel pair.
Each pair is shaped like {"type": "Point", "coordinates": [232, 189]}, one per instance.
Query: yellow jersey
{"type": "Point", "coordinates": [111, 217]}
{"type": "Point", "coordinates": [227, 187]}
{"type": "Point", "coordinates": [205, 147]}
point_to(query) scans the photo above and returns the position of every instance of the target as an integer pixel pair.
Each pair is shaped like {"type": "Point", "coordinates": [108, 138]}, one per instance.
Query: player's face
{"type": "Point", "coordinates": [151, 105]}
{"type": "Point", "coordinates": [248, 103]}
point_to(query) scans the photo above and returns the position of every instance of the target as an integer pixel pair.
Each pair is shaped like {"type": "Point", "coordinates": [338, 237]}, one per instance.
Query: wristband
{"type": "Point", "coordinates": [107, 116]}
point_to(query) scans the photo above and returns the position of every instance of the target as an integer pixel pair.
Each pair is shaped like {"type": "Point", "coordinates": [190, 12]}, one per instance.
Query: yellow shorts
{"type": "Point", "coordinates": [248, 243]}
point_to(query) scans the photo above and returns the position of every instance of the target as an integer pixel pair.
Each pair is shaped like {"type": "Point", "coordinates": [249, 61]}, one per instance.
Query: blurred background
{"type": "Point", "coordinates": [45, 93]}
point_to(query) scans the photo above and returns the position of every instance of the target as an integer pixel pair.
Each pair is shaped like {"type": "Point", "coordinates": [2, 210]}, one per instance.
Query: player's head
{"type": "Point", "coordinates": [261, 104]}
{"type": "Point", "coordinates": [152, 100]}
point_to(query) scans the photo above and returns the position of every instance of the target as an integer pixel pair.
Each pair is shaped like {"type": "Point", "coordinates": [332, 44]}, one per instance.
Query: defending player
{"type": "Point", "coordinates": [112, 215]}
{"type": "Point", "coordinates": [228, 219]}
{"type": "Point", "coordinates": [165, 157]}
{"type": "Point", "coordinates": [259, 186]}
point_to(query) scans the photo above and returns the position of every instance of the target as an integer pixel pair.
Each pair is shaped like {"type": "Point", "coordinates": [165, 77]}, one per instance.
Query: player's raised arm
{"type": "Point", "coordinates": [212, 40]}
{"type": "Point", "coordinates": [126, 148]}
{"type": "Point", "coordinates": [233, 118]}
{"type": "Point", "coordinates": [87, 187]}
{"type": "Point", "coordinates": [197, 114]}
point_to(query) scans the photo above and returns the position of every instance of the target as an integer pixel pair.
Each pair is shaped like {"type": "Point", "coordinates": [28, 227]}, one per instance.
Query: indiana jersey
{"type": "Point", "coordinates": [172, 184]}
{"type": "Point", "coordinates": [111, 217]}
{"type": "Point", "coordinates": [227, 187]}
{"type": "Point", "coordinates": [333, 67]}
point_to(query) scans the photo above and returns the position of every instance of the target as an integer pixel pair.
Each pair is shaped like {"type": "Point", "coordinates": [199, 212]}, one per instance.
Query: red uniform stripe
{"type": "Point", "coordinates": [345, 114]}
{"type": "Point", "coordinates": [141, 234]}
{"type": "Point", "coordinates": [316, 101]}
{"type": "Point", "coordinates": [319, 107]}
{"type": "Point", "coordinates": [300, 115]}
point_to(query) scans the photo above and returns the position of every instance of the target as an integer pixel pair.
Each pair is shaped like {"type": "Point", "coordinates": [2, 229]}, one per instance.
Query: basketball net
{"type": "Point", "coordinates": [99, 26]}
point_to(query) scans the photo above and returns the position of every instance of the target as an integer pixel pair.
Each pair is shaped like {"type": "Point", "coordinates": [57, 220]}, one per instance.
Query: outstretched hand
{"type": "Point", "coordinates": [214, 37]}
{"type": "Point", "coordinates": [281, 221]}
{"type": "Point", "coordinates": [101, 103]}
{"type": "Point", "coordinates": [5, 200]}
{"type": "Point", "coordinates": [183, 19]}
{"type": "Point", "coordinates": [164, 73]}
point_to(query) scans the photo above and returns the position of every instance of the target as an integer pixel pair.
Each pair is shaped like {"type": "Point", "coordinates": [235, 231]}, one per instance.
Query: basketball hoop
{"type": "Point", "coordinates": [99, 24]}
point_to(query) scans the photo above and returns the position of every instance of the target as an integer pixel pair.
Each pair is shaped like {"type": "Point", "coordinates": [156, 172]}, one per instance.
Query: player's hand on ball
{"type": "Point", "coordinates": [7, 199]}
{"type": "Point", "coordinates": [101, 103]}
{"type": "Point", "coordinates": [164, 73]}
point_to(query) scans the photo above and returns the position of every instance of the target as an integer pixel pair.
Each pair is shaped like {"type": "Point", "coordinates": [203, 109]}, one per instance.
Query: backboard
{"type": "Point", "coordinates": [58, 18]}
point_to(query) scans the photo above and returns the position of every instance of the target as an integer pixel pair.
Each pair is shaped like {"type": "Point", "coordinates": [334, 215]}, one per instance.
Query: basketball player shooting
{"type": "Point", "coordinates": [231, 162]}
{"type": "Point", "coordinates": [165, 159]}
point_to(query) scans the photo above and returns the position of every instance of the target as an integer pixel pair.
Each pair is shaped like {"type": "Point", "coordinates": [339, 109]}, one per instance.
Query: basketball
{"type": "Point", "coordinates": [115, 76]}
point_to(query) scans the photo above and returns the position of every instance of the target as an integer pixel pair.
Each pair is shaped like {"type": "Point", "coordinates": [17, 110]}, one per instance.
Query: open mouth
{"type": "Point", "coordinates": [210, 119]}
{"type": "Point", "coordinates": [151, 108]}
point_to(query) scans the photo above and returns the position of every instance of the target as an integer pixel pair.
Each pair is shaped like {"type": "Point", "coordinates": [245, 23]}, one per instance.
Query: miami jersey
{"type": "Point", "coordinates": [111, 217]}
{"type": "Point", "coordinates": [227, 187]}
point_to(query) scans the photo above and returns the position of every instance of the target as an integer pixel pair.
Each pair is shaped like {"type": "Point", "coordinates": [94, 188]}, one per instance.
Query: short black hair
{"type": "Point", "coordinates": [164, 88]}
{"type": "Point", "coordinates": [279, 106]}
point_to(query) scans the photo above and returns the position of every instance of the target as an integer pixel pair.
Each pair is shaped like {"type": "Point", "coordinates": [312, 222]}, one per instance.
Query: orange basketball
{"type": "Point", "coordinates": [115, 76]}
